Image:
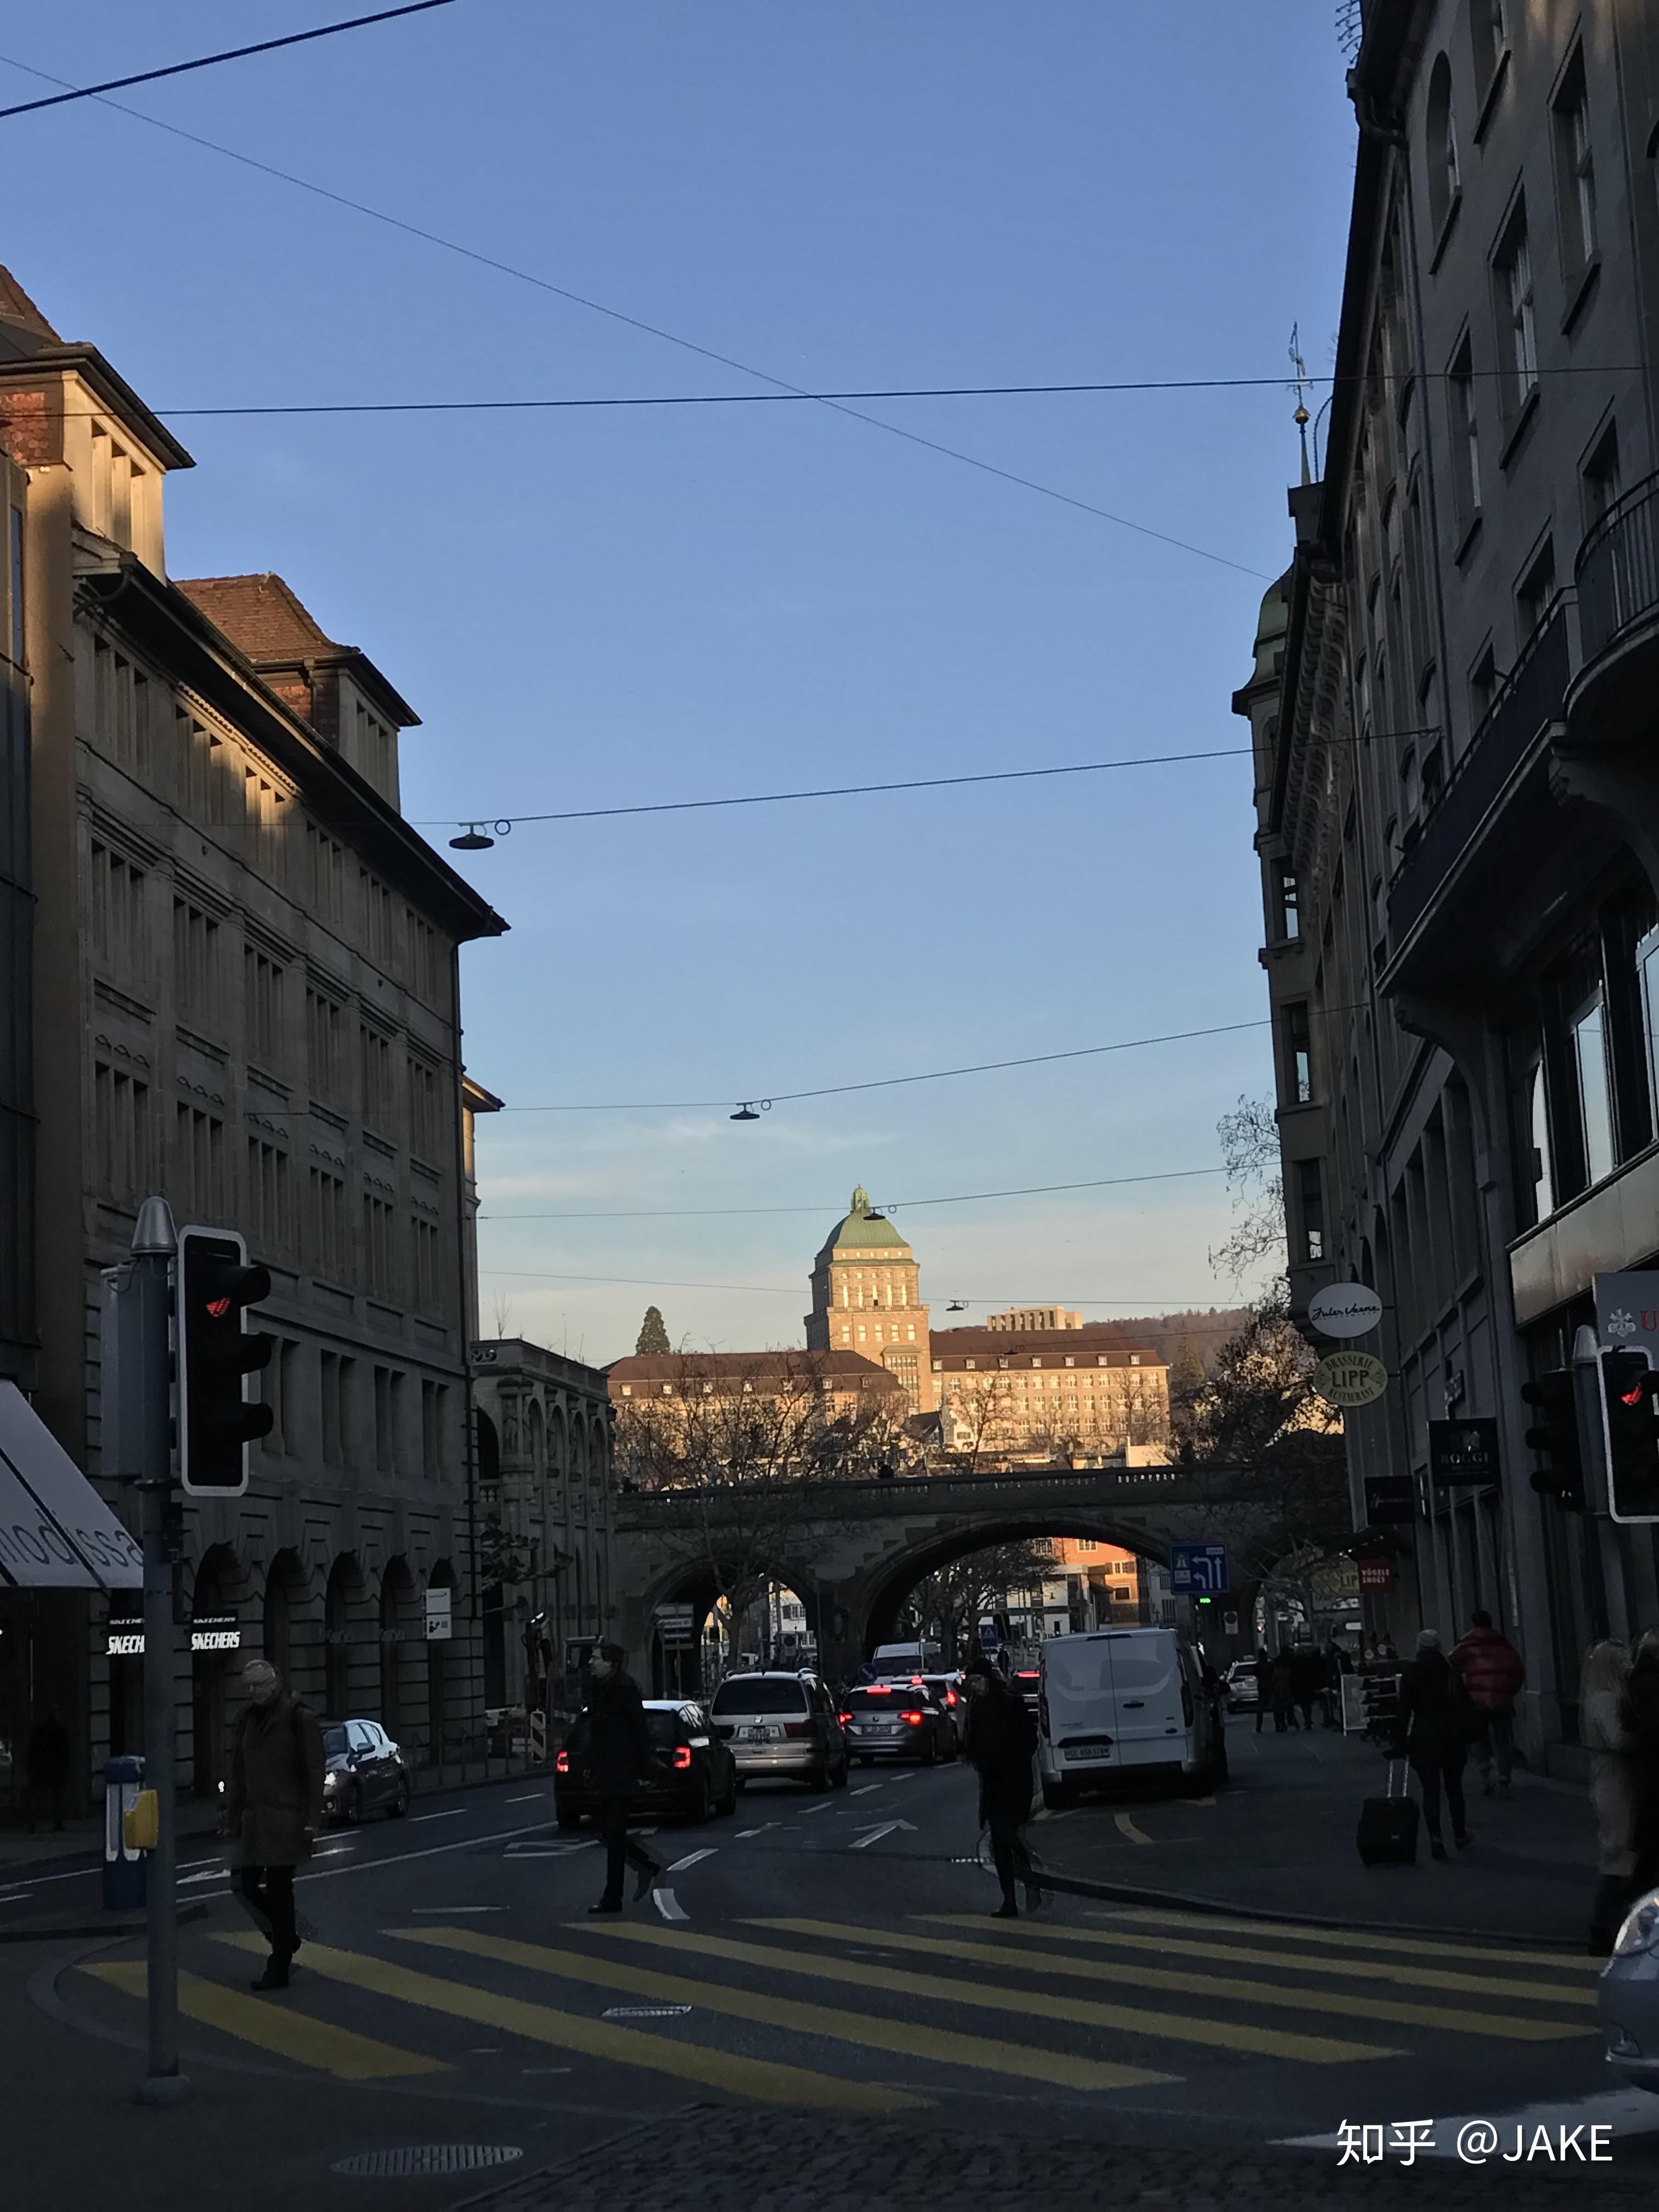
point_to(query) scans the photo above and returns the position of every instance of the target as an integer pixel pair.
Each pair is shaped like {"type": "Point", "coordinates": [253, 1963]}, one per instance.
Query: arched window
{"type": "Point", "coordinates": [1440, 147]}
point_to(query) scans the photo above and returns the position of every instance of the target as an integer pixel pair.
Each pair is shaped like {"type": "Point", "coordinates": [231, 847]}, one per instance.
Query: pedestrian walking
{"type": "Point", "coordinates": [1639, 1710]}
{"type": "Point", "coordinates": [619, 1748]}
{"type": "Point", "coordinates": [1492, 1671]}
{"type": "Point", "coordinates": [273, 1808]}
{"type": "Point", "coordinates": [1339, 1663]}
{"type": "Point", "coordinates": [1264, 1674]}
{"type": "Point", "coordinates": [1432, 1718]}
{"type": "Point", "coordinates": [1000, 1742]}
{"type": "Point", "coordinates": [45, 1767]}
{"type": "Point", "coordinates": [1281, 1693]}
{"type": "Point", "coordinates": [1307, 1678]}
{"type": "Point", "coordinates": [1601, 1730]}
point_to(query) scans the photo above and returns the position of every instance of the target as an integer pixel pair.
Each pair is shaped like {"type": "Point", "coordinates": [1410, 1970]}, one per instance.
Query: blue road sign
{"type": "Point", "coordinates": [1199, 1570]}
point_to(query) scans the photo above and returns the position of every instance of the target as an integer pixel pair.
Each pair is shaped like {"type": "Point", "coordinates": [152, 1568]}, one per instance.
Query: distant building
{"type": "Point", "coordinates": [866, 1298]}
{"type": "Point", "coordinates": [1025, 1318]}
{"type": "Point", "coordinates": [1049, 1393]}
{"type": "Point", "coordinates": [765, 1412]}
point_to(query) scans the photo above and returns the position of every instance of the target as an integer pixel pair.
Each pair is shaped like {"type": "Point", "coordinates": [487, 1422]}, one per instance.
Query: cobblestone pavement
{"type": "Point", "coordinates": [792, 2162]}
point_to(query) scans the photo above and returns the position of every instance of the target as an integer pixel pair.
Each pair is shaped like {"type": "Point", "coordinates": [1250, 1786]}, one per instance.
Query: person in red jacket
{"type": "Point", "coordinates": [1492, 1672]}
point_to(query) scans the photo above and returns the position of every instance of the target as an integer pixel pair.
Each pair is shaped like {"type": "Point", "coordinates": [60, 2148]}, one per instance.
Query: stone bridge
{"type": "Point", "coordinates": [853, 1551]}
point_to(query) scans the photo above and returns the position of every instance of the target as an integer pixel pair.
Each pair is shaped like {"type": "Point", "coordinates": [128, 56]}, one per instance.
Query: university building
{"type": "Point", "coordinates": [246, 998]}
{"type": "Point", "coordinates": [1453, 706]}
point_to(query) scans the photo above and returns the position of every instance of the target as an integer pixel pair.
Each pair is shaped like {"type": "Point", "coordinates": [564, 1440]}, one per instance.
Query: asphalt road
{"type": "Point", "coordinates": [829, 1953]}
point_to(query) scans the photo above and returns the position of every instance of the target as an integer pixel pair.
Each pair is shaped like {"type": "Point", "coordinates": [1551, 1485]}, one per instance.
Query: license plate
{"type": "Point", "coordinates": [1088, 1751]}
{"type": "Point", "coordinates": [759, 1734]}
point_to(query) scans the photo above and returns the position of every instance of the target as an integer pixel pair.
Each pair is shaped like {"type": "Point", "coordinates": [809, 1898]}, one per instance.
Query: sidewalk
{"type": "Point", "coordinates": [1281, 1839]}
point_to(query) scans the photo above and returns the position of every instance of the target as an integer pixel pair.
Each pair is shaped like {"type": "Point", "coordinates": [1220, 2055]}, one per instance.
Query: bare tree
{"type": "Point", "coordinates": [1251, 1162]}
{"type": "Point", "coordinates": [501, 1312]}
{"type": "Point", "coordinates": [953, 1600]}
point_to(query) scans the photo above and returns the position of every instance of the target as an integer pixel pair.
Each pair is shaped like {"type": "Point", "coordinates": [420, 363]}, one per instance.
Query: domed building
{"type": "Point", "coordinates": [866, 1298]}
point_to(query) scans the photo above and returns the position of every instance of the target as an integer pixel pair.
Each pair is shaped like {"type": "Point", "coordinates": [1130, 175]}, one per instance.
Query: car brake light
{"type": "Point", "coordinates": [879, 1690]}
{"type": "Point", "coordinates": [844, 1718]}
{"type": "Point", "coordinates": [914, 1719]}
{"type": "Point", "coordinates": [561, 1764]}
{"type": "Point", "coordinates": [682, 1757]}
{"type": "Point", "coordinates": [949, 1696]}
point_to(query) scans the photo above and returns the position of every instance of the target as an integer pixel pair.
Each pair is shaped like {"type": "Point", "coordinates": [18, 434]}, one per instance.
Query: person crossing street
{"type": "Point", "coordinates": [1001, 1742]}
{"type": "Point", "coordinates": [273, 1808]}
{"type": "Point", "coordinates": [619, 1748]}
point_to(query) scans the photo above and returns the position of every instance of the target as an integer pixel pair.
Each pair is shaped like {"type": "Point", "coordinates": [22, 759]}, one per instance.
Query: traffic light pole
{"type": "Point", "coordinates": [153, 1244]}
{"type": "Point", "coordinates": [1587, 1383]}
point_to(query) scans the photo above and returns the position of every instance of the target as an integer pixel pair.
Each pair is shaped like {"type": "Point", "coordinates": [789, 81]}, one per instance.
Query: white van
{"type": "Point", "coordinates": [898, 1661]}
{"type": "Point", "coordinates": [1125, 1701]}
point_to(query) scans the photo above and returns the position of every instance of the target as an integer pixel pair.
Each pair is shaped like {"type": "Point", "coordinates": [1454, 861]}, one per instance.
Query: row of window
{"type": "Point", "coordinates": [352, 1412]}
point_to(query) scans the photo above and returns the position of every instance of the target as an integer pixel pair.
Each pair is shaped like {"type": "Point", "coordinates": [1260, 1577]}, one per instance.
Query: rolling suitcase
{"type": "Point", "coordinates": [1388, 1825]}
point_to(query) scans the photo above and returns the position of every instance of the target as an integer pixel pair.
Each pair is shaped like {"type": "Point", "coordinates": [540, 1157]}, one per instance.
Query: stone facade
{"type": "Point", "coordinates": [866, 1298]}
{"type": "Point", "coordinates": [1009, 1395]}
{"type": "Point", "coordinates": [247, 999]}
{"type": "Point", "coordinates": [1457, 801]}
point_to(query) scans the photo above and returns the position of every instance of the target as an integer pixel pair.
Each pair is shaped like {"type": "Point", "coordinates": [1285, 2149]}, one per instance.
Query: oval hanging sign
{"type": "Point", "coordinates": [1350, 1379]}
{"type": "Point", "coordinates": [1345, 1309]}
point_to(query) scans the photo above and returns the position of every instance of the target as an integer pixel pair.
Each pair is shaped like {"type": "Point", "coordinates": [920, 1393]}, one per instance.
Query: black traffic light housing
{"type": "Point", "coordinates": [214, 1284]}
{"type": "Point", "coordinates": [1629, 1404]}
{"type": "Point", "coordinates": [1556, 1436]}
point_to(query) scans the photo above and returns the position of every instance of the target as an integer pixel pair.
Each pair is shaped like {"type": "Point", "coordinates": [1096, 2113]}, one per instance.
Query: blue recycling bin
{"type": "Point", "coordinates": [124, 1869]}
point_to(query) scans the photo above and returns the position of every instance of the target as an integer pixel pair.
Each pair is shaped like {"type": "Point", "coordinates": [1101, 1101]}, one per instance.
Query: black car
{"type": "Point", "coordinates": [366, 1773]}
{"type": "Point", "coordinates": [896, 1720]}
{"type": "Point", "coordinates": [694, 1777]}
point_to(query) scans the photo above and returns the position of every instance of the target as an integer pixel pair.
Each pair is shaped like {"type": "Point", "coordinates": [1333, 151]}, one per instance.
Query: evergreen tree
{"type": "Point", "coordinates": [653, 1335]}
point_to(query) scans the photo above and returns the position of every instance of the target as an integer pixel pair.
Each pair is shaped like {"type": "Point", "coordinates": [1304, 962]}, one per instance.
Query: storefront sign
{"type": "Point", "coordinates": [209, 1633]}
{"type": "Point", "coordinates": [1345, 1309]}
{"type": "Point", "coordinates": [1462, 1453]}
{"type": "Point", "coordinates": [1391, 1501]}
{"type": "Point", "coordinates": [1350, 1379]}
{"type": "Point", "coordinates": [1374, 1575]}
{"type": "Point", "coordinates": [1627, 1310]}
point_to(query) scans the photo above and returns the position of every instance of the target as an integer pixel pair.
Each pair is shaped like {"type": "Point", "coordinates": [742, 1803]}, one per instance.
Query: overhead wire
{"type": "Point", "coordinates": [213, 61]}
{"type": "Point", "coordinates": [656, 329]}
{"type": "Point", "coordinates": [1192, 1304]}
{"type": "Point", "coordinates": [886, 1206]}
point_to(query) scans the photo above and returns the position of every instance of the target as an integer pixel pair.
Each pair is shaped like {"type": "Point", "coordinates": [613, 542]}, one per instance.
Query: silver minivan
{"type": "Point", "coordinates": [781, 1724]}
{"type": "Point", "coordinates": [1125, 1701]}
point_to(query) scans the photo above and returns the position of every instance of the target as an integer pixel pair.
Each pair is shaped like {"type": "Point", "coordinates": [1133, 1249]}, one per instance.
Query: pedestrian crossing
{"type": "Point", "coordinates": [843, 2015]}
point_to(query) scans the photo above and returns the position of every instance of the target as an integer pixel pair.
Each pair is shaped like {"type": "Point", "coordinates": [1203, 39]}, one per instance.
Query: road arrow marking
{"type": "Point", "coordinates": [875, 1835]}
{"type": "Point", "coordinates": [670, 1909]}
{"type": "Point", "coordinates": [1126, 1826]}
{"type": "Point", "coordinates": [692, 1857]}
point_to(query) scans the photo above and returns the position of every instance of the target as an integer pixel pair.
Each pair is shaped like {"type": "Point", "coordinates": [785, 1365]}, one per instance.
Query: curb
{"type": "Point", "coordinates": [114, 1932]}
{"type": "Point", "coordinates": [1118, 1892]}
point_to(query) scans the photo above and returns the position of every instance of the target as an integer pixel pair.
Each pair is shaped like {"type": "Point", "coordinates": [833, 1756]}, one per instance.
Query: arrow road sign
{"type": "Point", "coordinates": [875, 1835]}
{"type": "Point", "coordinates": [1199, 1570]}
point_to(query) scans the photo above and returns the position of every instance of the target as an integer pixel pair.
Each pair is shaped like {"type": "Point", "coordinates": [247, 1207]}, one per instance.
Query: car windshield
{"type": "Point", "coordinates": [334, 1742]}
{"type": "Point", "coordinates": [760, 1693]}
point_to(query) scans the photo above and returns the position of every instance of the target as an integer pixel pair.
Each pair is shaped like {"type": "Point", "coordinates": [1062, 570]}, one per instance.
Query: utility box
{"type": "Point", "coordinates": [124, 1884]}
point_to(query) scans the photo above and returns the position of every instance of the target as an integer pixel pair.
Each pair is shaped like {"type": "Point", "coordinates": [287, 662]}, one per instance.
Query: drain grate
{"type": "Point", "coordinates": [425, 2158]}
{"type": "Point", "coordinates": [644, 2012]}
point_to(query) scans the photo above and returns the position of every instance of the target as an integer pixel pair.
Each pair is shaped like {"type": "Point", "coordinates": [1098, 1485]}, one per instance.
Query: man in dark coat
{"type": "Point", "coordinates": [46, 1765]}
{"type": "Point", "coordinates": [1263, 1667]}
{"type": "Point", "coordinates": [1431, 1721]}
{"type": "Point", "coordinates": [1307, 1678]}
{"type": "Point", "coordinates": [273, 1807]}
{"type": "Point", "coordinates": [1000, 1742]}
{"type": "Point", "coordinates": [619, 1753]}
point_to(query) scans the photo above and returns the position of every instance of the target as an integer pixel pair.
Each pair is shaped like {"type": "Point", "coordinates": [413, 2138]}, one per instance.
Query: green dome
{"type": "Point", "coordinates": [863, 1230]}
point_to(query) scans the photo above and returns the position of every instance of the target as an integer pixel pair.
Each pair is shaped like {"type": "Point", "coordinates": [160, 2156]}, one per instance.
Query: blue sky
{"type": "Point", "coordinates": [595, 609]}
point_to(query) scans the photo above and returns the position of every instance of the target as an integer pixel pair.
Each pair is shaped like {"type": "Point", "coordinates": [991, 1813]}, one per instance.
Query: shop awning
{"type": "Point", "coordinates": [56, 1532]}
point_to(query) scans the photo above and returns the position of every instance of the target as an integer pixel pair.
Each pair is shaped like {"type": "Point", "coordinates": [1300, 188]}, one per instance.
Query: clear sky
{"type": "Point", "coordinates": [592, 609]}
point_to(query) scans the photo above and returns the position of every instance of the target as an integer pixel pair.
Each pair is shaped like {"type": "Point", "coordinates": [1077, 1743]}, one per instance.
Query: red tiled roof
{"type": "Point", "coordinates": [1020, 1346]}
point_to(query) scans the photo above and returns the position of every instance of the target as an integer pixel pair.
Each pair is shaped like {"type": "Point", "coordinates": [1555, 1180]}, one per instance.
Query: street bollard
{"type": "Point", "coordinates": [123, 1865]}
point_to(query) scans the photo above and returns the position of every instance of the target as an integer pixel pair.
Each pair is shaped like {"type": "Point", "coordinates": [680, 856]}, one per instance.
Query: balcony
{"type": "Point", "coordinates": [1505, 743]}
{"type": "Point", "coordinates": [1617, 574]}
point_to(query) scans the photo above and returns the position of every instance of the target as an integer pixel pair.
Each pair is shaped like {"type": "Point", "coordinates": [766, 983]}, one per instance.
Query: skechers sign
{"type": "Point", "coordinates": [1345, 1309]}
{"type": "Point", "coordinates": [212, 1632]}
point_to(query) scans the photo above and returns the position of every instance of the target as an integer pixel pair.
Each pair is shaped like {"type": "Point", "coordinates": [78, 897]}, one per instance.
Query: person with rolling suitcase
{"type": "Point", "coordinates": [1436, 1720]}
{"type": "Point", "coordinates": [1388, 1825]}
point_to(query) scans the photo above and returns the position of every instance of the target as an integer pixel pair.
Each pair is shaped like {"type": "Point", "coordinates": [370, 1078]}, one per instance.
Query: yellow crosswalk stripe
{"type": "Point", "coordinates": [1361, 1970]}
{"type": "Point", "coordinates": [290, 2033]}
{"type": "Point", "coordinates": [766, 2080]}
{"type": "Point", "coordinates": [1418, 1946]}
{"type": "Point", "coordinates": [1219, 2035]}
{"type": "Point", "coordinates": [1021, 1943]}
{"type": "Point", "coordinates": [941, 2046]}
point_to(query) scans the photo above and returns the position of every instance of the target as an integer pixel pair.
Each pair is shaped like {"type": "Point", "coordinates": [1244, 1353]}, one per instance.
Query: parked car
{"type": "Point", "coordinates": [897, 1720]}
{"type": "Point", "coordinates": [1127, 1701]}
{"type": "Point", "coordinates": [365, 1772]}
{"type": "Point", "coordinates": [1242, 1688]}
{"type": "Point", "coordinates": [1628, 1996]}
{"type": "Point", "coordinates": [781, 1724]}
{"type": "Point", "coordinates": [696, 1776]}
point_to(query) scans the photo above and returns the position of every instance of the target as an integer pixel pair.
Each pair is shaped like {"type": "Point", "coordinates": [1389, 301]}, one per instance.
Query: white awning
{"type": "Point", "coordinates": [56, 1532]}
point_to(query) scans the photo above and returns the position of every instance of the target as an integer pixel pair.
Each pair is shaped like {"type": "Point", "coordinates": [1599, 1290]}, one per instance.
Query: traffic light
{"type": "Point", "coordinates": [1629, 1400]}
{"type": "Point", "coordinates": [216, 1422]}
{"type": "Point", "coordinates": [1556, 1436]}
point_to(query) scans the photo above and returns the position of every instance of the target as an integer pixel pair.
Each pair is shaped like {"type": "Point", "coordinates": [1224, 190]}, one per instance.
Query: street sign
{"type": "Point", "coordinates": [438, 1627]}
{"type": "Point", "coordinates": [1345, 1309]}
{"type": "Point", "coordinates": [1230, 1624]}
{"type": "Point", "coordinates": [676, 1625]}
{"type": "Point", "coordinates": [1391, 1501]}
{"type": "Point", "coordinates": [1349, 1378]}
{"type": "Point", "coordinates": [1462, 1453]}
{"type": "Point", "coordinates": [1199, 1570]}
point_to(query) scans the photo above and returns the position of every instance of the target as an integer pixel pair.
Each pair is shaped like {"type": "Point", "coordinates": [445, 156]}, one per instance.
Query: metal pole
{"type": "Point", "coordinates": [154, 1246]}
